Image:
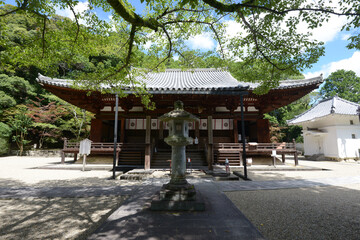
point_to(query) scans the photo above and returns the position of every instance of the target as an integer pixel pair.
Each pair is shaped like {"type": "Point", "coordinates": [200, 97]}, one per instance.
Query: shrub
{"type": "Point", "coordinates": [5, 133]}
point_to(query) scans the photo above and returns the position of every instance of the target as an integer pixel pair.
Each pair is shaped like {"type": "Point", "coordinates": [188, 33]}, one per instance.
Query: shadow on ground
{"type": "Point", "coordinates": [54, 218]}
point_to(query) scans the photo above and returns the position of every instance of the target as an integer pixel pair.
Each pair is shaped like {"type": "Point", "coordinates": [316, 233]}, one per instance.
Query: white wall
{"type": "Point", "coordinates": [337, 142]}
{"type": "Point", "coordinates": [330, 142]}
{"type": "Point", "coordinates": [313, 145]}
{"type": "Point", "coordinates": [348, 147]}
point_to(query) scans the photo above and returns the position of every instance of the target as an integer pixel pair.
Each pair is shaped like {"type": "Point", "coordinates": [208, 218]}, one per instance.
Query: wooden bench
{"type": "Point", "coordinates": [96, 148]}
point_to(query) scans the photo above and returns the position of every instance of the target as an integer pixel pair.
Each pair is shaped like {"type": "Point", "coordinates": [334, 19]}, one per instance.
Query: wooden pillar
{"type": "Point", "coordinates": [62, 151]}
{"type": "Point", "coordinates": [210, 154]}
{"type": "Point", "coordinates": [161, 130]}
{"type": "Point", "coordinates": [295, 154]}
{"type": "Point", "coordinates": [197, 133]}
{"type": "Point", "coordinates": [122, 133]}
{"type": "Point", "coordinates": [263, 130]}
{"type": "Point", "coordinates": [236, 132]}
{"type": "Point", "coordinates": [148, 143]}
{"type": "Point", "coordinates": [96, 130]}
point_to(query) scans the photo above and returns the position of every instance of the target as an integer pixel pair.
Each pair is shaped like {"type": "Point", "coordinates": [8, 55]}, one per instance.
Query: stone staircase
{"type": "Point", "coordinates": [162, 158]}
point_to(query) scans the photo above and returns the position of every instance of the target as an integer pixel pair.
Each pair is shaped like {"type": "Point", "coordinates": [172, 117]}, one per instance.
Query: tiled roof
{"type": "Point", "coordinates": [285, 84]}
{"type": "Point", "coordinates": [197, 80]}
{"type": "Point", "coordinates": [200, 81]}
{"type": "Point", "coordinates": [334, 105]}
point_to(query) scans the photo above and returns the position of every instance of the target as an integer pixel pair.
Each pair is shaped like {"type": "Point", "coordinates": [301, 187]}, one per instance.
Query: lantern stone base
{"type": "Point", "coordinates": [178, 199]}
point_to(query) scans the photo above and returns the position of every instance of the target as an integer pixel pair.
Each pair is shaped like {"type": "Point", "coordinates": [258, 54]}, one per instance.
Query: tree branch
{"type": "Point", "coordinates": [169, 52]}
{"type": "Point", "coordinates": [236, 6]}
{"type": "Point", "coordinates": [77, 23]}
{"type": "Point", "coordinates": [10, 12]}
{"type": "Point", "coordinates": [131, 17]}
{"type": "Point", "coordinates": [22, 7]}
{"type": "Point", "coordinates": [254, 34]}
{"type": "Point", "coordinates": [128, 56]}
{"type": "Point", "coordinates": [181, 55]}
{"type": "Point", "coordinates": [43, 38]}
{"type": "Point", "coordinates": [211, 25]}
{"type": "Point", "coordinates": [166, 12]}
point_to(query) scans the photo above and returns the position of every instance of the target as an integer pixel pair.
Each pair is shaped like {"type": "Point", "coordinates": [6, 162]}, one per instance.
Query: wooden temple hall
{"type": "Point", "coordinates": [212, 95]}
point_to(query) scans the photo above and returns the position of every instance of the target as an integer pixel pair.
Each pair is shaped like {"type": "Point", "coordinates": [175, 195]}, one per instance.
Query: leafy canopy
{"type": "Point", "coordinates": [268, 35]}
{"type": "Point", "coordinates": [344, 84]}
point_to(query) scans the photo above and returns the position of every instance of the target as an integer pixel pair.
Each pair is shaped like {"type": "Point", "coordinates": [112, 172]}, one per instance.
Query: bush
{"type": "Point", "coordinates": [5, 133]}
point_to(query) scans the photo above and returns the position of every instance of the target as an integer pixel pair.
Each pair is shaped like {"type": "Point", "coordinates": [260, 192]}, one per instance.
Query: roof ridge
{"type": "Point", "coordinates": [347, 101]}
{"type": "Point", "coordinates": [339, 98]}
{"type": "Point", "coordinates": [302, 80]}
{"type": "Point", "coordinates": [327, 108]}
{"type": "Point", "coordinates": [301, 114]}
{"type": "Point", "coordinates": [223, 69]}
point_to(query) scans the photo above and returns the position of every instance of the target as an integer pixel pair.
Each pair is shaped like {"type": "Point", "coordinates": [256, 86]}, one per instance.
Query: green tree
{"type": "Point", "coordinates": [342, 83]}
{"type": "Point", "coordinates": [15, 90]}
{"type": "Point", "coordinates": [46, 118]}
{"type": "Point", "coordinates": [20, 124]}
{"type": "Point", "coordinates": [269, 36]}
{"type": "Point", "coordinates": [6, 101]}
{"type": "Point", "coordinates": [5, 133]}
{"type": "Point", "coordinates": [280, 131]}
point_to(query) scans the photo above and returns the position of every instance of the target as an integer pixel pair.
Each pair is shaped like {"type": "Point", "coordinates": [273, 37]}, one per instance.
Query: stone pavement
{"type": "Point", "coordinates": [220, 220]}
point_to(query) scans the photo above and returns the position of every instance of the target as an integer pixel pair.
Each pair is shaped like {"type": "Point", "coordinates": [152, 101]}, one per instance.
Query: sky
{"type": "Point", "coordinates": [336, 57]}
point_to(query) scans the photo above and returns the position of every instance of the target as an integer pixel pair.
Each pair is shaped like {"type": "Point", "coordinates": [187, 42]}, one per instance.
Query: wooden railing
{"type": "Point", "coordinates": [256, 146]}
{"type": "Point", "coordinates": [102, 148]}
{"type": "Point", "coordinates": [233, 151]}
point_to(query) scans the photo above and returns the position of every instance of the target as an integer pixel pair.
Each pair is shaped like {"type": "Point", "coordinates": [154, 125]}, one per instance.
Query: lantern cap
{"type": "Point", "coordinates": [178, 114]}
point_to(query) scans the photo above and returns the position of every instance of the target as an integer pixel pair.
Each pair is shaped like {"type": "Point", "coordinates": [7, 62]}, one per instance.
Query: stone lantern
{"type": "Point", "coordinates": [178, 138]}
{"type": "Point", "coordinates": [178, 194]}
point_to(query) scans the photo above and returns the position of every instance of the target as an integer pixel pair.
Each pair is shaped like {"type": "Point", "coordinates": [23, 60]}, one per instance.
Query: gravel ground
{"type": "Point", "coordinates": [307, 213]}
{"type": "Point", "coordinates": [333, 169]}
{"type": "Point", "coordinates": [25, 171]}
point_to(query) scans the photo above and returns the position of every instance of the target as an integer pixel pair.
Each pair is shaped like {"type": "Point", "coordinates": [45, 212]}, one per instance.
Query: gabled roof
{"type": "Point", "coordinates": [199, 81]}
{"type": "Point", "coordinates": [334, 105]}
{"type": "Point", "coordinates": [176, 81]}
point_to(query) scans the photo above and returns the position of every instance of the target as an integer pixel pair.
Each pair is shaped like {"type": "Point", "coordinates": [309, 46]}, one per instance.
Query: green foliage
{"type": "Point", "coordinates": [279, 130]}
{"type": "Point", "coordinates": [342, 83]}
{"type": "Point", "coordinates": [20, 124]}
{"type": "Point", "coordinates": [5, 133]}
{"type": "Point", "coordinates": [14, 89]}
{"type": "Point", "coordinates": [268, 44]}
{"type": "Point", "coordinates": [6, 101]}
{"type": "Point", "coordinates": [272, 119]}
{"type": "Point", "coordinates": [54, 45]}
{"type": "Point", "coordinates": [259, 72]}
{"type": "Point", "coordinates": [292, 110]}
{"type": "Point", "coordinates": [293, 132]}
{"type": "Point", "coordinates": [75, 124]}
{"type": "Point", "coordinates": [5, 130]}
{"type": "Point", "coordinates": [46, 116]}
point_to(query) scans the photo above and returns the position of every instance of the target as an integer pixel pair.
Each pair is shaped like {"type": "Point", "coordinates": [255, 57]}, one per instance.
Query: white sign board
{"type": "Point", "coordinates": [85, 147]}
{"type": "Point", "coordinates": [273, 153]}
